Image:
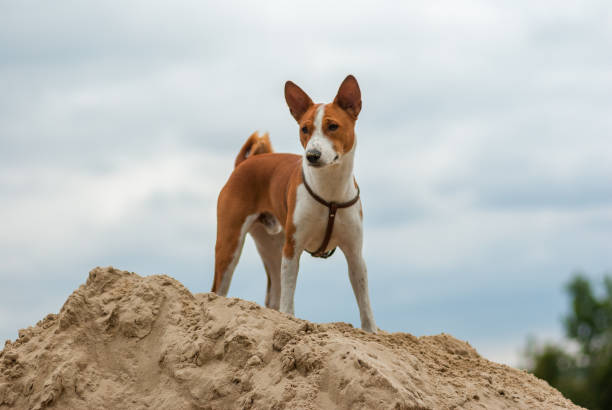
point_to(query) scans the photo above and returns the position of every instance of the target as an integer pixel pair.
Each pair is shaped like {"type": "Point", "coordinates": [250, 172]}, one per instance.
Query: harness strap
{"type": "Point", "coordinates": [333, 208]}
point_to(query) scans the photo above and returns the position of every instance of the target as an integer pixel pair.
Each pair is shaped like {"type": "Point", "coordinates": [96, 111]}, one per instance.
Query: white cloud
{"type": "Point", "coordinates": [53, 207]}
{"type": "Point", "coordinates": [483, 153]}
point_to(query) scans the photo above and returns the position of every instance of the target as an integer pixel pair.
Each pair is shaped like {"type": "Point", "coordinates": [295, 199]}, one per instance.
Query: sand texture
{"type": "Point", "coordinates": [122, 341]}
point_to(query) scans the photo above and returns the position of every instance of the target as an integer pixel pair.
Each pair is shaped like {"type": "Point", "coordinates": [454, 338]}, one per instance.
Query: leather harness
{"type": "Point", "coordinates": [333, 207]}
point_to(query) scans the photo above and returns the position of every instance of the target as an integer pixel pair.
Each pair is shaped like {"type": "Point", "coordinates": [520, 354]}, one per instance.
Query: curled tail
{"type": "Point", "coordinates": [253, 146]}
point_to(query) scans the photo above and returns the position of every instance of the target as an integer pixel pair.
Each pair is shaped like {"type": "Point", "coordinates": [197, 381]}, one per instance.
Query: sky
{"type": "Point", "coordinates": [484, 151]}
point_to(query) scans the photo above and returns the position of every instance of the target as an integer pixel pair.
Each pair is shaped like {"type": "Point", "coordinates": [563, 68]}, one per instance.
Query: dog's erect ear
{"type": "Point", "coordinates": [297, 100]}
{"type": "Point", "coordinates": [349, 96]}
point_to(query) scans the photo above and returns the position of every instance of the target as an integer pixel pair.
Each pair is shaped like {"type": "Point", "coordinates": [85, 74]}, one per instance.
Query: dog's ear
{"type": "Point", "coordinates": [298, 101]}
{"type": "Point", "coordinates": [349, 96]}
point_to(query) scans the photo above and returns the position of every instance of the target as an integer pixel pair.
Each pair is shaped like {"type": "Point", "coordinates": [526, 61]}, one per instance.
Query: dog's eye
{"type": "Point", "coordinates": [305, 129]}
{"type": "Point", "coordinates": [332, 127]}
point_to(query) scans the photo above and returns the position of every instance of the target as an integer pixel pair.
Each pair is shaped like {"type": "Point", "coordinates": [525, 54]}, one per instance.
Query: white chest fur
{"type": "Point", "coordinates": [333, 183]}
{"type": "Point", "coordinates": [311, 219]}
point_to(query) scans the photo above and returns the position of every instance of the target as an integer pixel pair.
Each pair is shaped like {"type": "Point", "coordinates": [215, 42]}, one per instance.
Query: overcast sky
{"type": "Point", "coordinates": [484, 151]}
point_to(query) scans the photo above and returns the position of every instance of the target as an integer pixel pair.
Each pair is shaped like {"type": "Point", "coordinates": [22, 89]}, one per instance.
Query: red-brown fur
{"type": "Point", "coordinates": [262, 183]}
{"type": "Point", "coordinates": [265, 182]}
{"type": "Point", "coordinates": [254, 145]}
{"type": "Point", "coordinates": [343, 138]}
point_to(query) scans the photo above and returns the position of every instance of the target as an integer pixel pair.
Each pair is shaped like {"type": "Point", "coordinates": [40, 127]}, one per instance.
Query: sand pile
{"type": "Point", "coordinates": [125, 341]}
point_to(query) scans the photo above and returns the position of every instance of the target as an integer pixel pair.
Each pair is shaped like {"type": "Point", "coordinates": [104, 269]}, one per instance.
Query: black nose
{"type": "Point", "coordinates": [313, 155]}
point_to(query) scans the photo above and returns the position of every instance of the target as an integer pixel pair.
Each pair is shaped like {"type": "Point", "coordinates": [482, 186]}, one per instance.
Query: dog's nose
{"type": "Point", "coordinates": [313, 155]}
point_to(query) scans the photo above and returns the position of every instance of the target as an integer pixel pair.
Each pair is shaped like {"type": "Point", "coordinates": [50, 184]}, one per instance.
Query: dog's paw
{"type": "Point", "coordinates": [369, 327]}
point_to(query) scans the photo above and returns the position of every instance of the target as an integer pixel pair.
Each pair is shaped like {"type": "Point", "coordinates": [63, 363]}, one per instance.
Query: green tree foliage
{"type": "Point", "coordinates": [584, 373]}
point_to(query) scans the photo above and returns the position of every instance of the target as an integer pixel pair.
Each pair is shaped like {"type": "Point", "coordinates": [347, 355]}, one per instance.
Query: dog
{"type": "Point", "coordinates": [291, 203]}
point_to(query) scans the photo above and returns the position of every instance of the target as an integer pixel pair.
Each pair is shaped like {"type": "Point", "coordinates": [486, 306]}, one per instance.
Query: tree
{"type": "Point", "coordinates": [583, 374]}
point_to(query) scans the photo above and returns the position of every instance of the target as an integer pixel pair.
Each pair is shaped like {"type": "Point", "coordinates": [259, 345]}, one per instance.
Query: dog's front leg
{"type": "Point", "coordinates": [358, 275]}
{"type": "Point", "coordinates": [289, 272]}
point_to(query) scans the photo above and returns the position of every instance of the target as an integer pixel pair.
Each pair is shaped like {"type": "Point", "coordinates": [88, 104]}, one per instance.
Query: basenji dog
{"type": "Point", "coordinates": [291, 203]}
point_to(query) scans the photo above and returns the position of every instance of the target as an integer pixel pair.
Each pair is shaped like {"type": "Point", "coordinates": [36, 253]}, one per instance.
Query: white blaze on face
{"type": "Point", "coordinates": [319, 141]}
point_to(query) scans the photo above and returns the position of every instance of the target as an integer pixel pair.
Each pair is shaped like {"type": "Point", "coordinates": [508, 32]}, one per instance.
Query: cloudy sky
{"type": "Point", "coordinates": [484, 151]}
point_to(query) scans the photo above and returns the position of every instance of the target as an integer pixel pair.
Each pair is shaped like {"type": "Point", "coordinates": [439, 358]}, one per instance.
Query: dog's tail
{"type": "Point", "coordinates": [253, 146]}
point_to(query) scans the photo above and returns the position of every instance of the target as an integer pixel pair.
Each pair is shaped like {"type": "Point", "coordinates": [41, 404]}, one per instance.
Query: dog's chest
{"type": "Point", "coordinates": [311, 219]}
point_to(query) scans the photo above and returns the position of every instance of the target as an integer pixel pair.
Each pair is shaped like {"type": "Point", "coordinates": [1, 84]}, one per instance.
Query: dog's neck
{"type": "Point", "coordinates": [333, 183]}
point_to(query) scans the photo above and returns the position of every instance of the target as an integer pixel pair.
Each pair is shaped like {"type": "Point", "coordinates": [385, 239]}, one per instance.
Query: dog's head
{"type": "Point", "coordinates": [327, 131]}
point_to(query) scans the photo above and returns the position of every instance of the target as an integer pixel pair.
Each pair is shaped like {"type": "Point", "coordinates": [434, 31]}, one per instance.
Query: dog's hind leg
{"type": "Point", "coordinates": [269, 240]}
{"type": "Point", "coordinates": [230, 239]}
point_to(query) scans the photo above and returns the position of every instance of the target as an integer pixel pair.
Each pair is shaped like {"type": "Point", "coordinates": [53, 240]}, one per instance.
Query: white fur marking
{"type": "Point", "coordinates": [335, 182]}
{"type": "Point", "coordinates": [229, 272]}
{"type": "Point", "coordinates": [358, 276]}
{"type": "Point", "coordinates": [319, 141]}
{"type": "Point", "coordinates": [289, 272]}
{"type": "Point", "coordinates": [318, 119]}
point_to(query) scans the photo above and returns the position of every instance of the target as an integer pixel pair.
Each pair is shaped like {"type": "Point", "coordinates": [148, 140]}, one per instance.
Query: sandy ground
{"type": "Point", "coordinates": [123, 341]}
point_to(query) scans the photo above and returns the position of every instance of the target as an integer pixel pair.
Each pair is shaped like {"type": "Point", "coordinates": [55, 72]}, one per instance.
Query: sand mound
{"type": "Point", "coordinates": [123, 341]}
